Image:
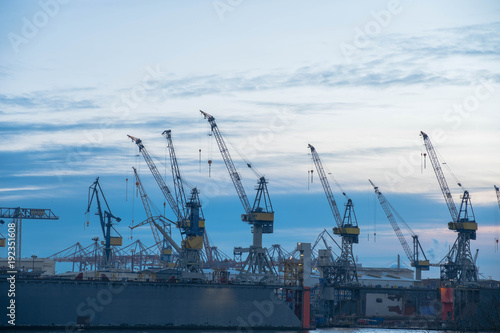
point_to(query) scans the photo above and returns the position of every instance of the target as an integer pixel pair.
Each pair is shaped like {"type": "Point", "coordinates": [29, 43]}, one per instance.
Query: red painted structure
{"type": "Point", "coordinates": [306, 308]}
{"type": "Point", "coordinates": [447, 304]}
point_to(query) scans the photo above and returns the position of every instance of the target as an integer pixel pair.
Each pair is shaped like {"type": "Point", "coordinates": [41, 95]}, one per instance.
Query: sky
{"type": "Point", "coordinates": [357, 80]}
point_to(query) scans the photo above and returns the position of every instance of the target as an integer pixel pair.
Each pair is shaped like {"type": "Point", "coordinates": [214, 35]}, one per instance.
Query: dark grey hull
{"type": "Point", "coordinates": [67, 303]}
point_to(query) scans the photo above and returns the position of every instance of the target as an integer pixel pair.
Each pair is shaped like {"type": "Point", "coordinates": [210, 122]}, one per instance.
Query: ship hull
{"type": "Point", "coordinates": [70, 303]}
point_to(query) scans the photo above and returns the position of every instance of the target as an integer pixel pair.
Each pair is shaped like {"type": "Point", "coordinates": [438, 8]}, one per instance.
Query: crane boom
{"type": "Point", "coordinates": [343, 272]}
{"type": "Point", "coordinates": [257, 266]}
{"type": "Point", "coordinates": [392, 220]}
{"type": "Point", "coordinates": [459, 268]}
{"type": "Point", "coordinates": [27, 213]}
{"type": "Point", "coordinates": [440, 177]}
{"type": "Point", "coordinates": [208, 249]}
{"type": "Point", "coordinates": [326, 186]}
{"type": "Point", "coordinates": [180, 195]}
{"type": "Point", "coordinates": [167, 236]}
{"type": "Point", "coordinates": [233, 173]}
{"type": "Point", "coordinates": [497, 190]}
{"type": "Point", "coordinates": [147, 208]}
{"type": "Point", "coordinates": [413, 256]}
{"type": "Point", "coordinates": [159, 179]}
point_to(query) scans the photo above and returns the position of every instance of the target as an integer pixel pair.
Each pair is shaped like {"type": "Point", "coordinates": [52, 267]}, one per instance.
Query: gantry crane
{"type": "Point", "coordinates": [191, 225]}
{"type": "Point", "coordinates": [413, 255]}
{"type": "Point", "coordinates": [459, 268]}
{"type": "Point", "coordinates": [105, 217]}
{"type": "Point", "coordinates": [192, 209]}
{"type": "Point", "coordinates": [344, 268]}
{"type": "Point", "coordinates": [257, 266]}
{"type": "Point", "coordinates": [17, 215]}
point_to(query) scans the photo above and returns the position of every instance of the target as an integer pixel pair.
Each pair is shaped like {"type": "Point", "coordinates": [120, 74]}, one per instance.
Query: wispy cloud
{"type": "Point", "coordinates": [54, 103]}
{"type": "Point", "coordinates": [22, 188]}
{"type": "Point", "coordinates": [395, 60]}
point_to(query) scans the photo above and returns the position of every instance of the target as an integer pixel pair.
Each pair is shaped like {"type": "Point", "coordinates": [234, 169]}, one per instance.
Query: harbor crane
{"type": "Point", "coordinates": [106, 218]}
{"type": "Point", "coordinates": [257, 266]}
{"type": "Point", "coordinates": [192, 208]}
{"type": "Point", "coordinates": [344, 268]}
{"type": "Point", "coordinates": [191, 225]}
{"type": "Point", "coordinates": [459, 267]}
{"type": "Point", "coordinates": [155, 222]}
{"type": "Point", "coordinates": [159, 179]}
{"type": "Point", "coordinates": [17, 215]}
{"type": "Point", "coordinates": [413, 255]}
{"type": "Point", "coordinates": [160, 243]}
{"type": "Point", "coordinates": [180, 195]}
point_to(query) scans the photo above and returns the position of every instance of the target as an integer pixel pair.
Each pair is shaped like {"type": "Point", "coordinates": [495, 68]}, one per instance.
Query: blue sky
{"type": "Point", "coordinates": [358, 81]}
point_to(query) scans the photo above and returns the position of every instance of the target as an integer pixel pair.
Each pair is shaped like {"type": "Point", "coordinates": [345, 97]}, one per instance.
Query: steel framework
{"type": "Point", "coordinates": [17, 215]}
{"type": "Point", "coordinates": [257, 266]}
{"type": "Point", "coordinates": [459, 267]}
{"type": "Point", "coordinates": [413, 255]}
{"type": "Point", "coordinates": [343, 271]}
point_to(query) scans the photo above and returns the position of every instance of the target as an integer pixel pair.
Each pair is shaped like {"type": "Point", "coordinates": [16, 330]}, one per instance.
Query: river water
{"type": "Point", "coordinates": [323, 330]}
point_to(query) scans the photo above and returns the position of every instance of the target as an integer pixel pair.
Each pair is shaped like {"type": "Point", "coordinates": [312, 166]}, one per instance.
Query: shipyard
{"type": "Point", "coordinates": [250, 166]}
{"type": "Point", "coordinates": [316, 284]}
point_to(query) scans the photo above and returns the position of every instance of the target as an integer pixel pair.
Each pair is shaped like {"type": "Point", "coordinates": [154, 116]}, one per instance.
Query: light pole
{"type": "Point", "coordinates": [133, 251]}
{"type": "Point", "coordinates": [95, 239]}
{"type": "Point", "coordinates": [34, 257]}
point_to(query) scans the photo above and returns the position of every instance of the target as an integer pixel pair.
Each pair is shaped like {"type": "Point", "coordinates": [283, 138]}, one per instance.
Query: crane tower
{"type": "Point", "coordinates": [106, 218]}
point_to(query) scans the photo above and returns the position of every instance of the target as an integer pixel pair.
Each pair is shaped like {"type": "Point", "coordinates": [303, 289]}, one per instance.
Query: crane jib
{"type": "Point", "coordinates": [263, 216]}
